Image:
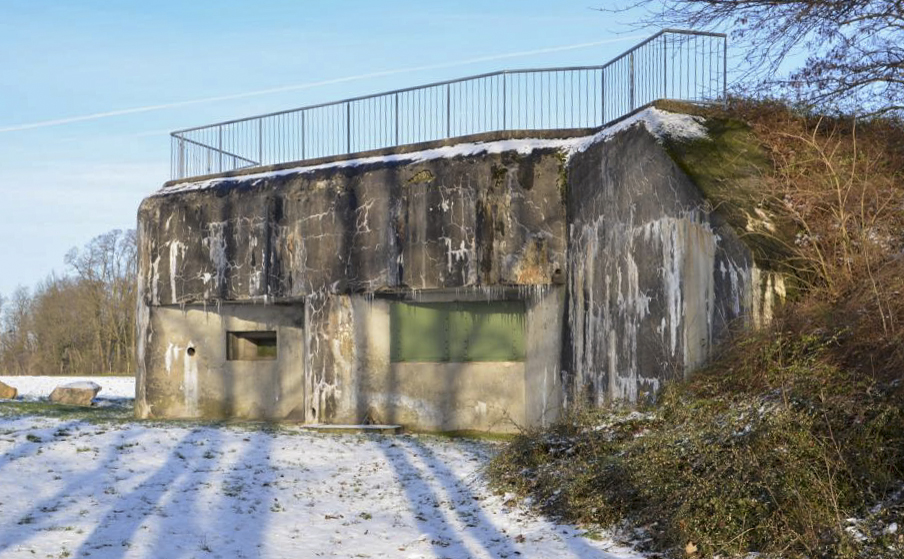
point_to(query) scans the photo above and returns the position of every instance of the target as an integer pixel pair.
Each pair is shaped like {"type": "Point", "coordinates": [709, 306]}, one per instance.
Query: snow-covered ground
{"type": "Point", "coordinates": [73, 488]}
{"type": "Point", "coordinates": [35, 388]}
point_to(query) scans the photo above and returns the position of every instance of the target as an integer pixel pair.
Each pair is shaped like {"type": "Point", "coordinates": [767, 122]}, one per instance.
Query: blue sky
{"type": "Point", "coordinates": [63, 184]}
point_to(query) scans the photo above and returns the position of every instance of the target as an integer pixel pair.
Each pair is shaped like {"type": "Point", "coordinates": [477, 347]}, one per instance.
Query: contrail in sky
{"type": "Point", "coordinates": [310, 85]}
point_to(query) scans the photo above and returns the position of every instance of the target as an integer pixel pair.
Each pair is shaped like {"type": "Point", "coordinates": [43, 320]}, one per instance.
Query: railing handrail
{"type": "Point", "coordinates": [487, 105]}
{"type": "Point", "coordinates": [217, 150]}
{"type": "Point", "coordinates": [456, 80]}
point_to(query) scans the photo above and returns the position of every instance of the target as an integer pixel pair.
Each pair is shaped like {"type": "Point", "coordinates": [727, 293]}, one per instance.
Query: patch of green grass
{"type": "Point", "coordinates": [233, 488]}
{"type": "Point", "coordinates": [48, 409]}
{"type": "Point", "coordinates": [471, 434]}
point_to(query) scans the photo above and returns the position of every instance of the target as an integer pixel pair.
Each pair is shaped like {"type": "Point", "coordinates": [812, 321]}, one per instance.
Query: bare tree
{"type": "Point", "coordinates": [81, 323]}
{"type": "Point", "coordinates": [106, 269]}
{"type": "Point", "coordinates": [64, 329]}
{"type": "Point", "coordinates": [18, 342]}
{"type": "Point", "coordinates": [853, 49]}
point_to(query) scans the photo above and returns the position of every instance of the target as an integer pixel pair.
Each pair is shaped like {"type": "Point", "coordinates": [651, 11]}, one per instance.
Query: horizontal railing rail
{"type": "Point", "coordinates": [673, 64]}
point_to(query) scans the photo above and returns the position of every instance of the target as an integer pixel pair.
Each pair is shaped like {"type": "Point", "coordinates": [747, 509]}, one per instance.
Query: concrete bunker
{"type": "Point", "coordinates": [485, 286]}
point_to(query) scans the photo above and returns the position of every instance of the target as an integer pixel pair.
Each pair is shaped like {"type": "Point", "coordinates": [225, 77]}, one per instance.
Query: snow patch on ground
{"type": "Point", "coordinates": [658, 122]}
{"type": "Point", "coordinates": [82, 385]}
{"type": "Point", "coordinates": [169, 489]}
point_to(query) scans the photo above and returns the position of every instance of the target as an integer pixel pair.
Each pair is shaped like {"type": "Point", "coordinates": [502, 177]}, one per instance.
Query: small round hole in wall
{"type": "Point", "coordinates": [190, 351]}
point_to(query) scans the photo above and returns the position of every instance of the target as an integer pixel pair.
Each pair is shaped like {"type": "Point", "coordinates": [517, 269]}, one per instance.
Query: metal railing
{"type": "Point", "coordinates": [672, 64]}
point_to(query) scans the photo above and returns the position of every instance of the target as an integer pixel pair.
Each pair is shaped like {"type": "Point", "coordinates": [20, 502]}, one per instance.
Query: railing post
{"type": "Point", "coordinates": [348, 128]}
{"type": "Point", "coordinates": [182, 173]}
{"type": "Point", "coordinates": [603, 97]}
{"type": "Point", "coordinates": [631, 78]}
{"type": "Point", "coordinates": [396, 119]}
{"type": "Point", "coordinates": [504, 101]}
{"type": "Point", "coordinates": [260, 141]}
{"type": "Point", "coordinates": [448, 110]}
{"type": "Point", "coordinates": [725, 71]}
{"type": "Point", "coordinates": [665, 66]}
{"type": "Point", "coordinates": [220, 146]}
{"type": "Point", "coordinates": [302, 134]}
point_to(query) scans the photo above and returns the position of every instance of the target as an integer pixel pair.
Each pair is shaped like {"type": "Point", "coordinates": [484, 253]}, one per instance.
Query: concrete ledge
{"type": "Point", "coordinates": [348, 429]}
{"type": "Point", "coordinates": [395, 150]}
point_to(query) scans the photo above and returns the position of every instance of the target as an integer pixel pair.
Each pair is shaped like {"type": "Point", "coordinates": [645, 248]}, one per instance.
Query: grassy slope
{"type": "Point", "coordinates": [793, 430]}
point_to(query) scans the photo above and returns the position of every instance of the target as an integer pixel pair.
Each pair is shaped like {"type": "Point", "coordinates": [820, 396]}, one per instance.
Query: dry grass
{"type": "Point", "coordinates": [772, 450]}
{"type": "Point", "coordinates": [794, 429]}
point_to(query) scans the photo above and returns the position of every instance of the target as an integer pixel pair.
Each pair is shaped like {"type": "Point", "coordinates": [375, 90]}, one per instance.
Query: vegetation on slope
{"type": "Point", "coordinates": [792, 442]}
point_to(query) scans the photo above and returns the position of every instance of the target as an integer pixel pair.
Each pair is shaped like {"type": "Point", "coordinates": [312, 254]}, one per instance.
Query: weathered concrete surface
{"type": "Point", "coordinates": [324, 244]}
{"type": "Point", "coordinates": [543, 395]}
{"type": "Point", "coordinates": [189, 376]}
{"type": "Point", "coordinates": [500, 396]}
{"type": "Point", "coordinates": [481, 220]}
{"type": "Point", "coordinates": [655, 278]}
{"type": "Point", "coordinates": [627, 277]}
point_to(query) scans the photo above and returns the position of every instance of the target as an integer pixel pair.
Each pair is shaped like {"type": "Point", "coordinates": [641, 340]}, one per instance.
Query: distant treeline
{"type": "Point", "coordinates": [78, 324]}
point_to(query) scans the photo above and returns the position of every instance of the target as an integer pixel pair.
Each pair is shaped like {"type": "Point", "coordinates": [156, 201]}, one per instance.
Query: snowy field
{"type": "Point", "coordinates": [34, 388]}
{"type": "Point", "coordinates": [101, 489]}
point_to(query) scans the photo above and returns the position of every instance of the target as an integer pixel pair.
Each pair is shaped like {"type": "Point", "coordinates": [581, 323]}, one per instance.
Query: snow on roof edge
{"type": "Point", "coordinates": [659, 123]}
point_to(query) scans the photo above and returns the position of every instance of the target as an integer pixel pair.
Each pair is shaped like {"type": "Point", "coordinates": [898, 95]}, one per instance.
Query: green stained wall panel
{"type": "Point", "coordinates": [420, 332]}
{"type": "Point", "coordinates": [492, 331]}
{"type": "Point", "coordinates": [457, 332]}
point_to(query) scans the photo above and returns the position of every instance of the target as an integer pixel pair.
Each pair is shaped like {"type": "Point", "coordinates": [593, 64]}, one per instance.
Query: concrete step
{"type": "Point", "coordinates": [375, 429]}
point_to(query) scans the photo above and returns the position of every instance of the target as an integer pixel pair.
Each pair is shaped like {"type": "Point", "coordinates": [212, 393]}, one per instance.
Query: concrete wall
{"type": "Point", "coordinates": [188, 375]}
{"type": "Point", "coordinates": [500, 396]}
{"type": "Point", "coordinates": [655, 278]}
{"type": "Point", "coordinates": [435, 396]}
{"type": "Point", "coordinates": [354, 380]}
{"type": "Point", "coordinates": [482, 220]}
{"type": "Point", "coordinates": [327, 244]}
{"type": "Point", "coordinates": [628, 279]}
